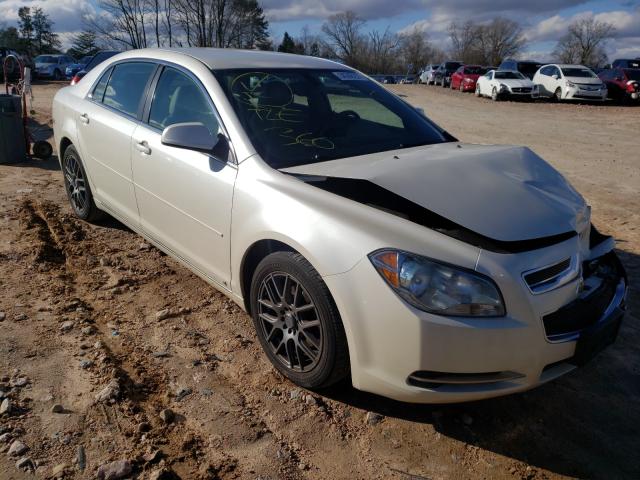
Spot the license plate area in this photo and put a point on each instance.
(595, 339)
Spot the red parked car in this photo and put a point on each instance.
(623, 84)
(465, 78)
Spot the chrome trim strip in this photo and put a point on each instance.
(555, 281)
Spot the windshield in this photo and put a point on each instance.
(578, 72)
(46, 59)
(509, 76)
(475, 70)
(632, 74)
(299, 116)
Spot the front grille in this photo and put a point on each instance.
(586, 310)
(547, 274)
(521, 90)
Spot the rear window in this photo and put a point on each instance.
(99, 58)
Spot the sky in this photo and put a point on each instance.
(543, 21)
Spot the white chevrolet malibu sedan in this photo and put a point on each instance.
(365, 241)
(501, 84)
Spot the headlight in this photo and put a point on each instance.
(503, 87)
(570, 84)
(438, 288)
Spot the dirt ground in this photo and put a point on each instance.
(186, 392)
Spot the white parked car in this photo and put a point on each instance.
(569, 82)
(500, 84)
(363, 240)
(428, 74)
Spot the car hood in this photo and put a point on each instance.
(513, 82)
(504, 193)
(585, 81)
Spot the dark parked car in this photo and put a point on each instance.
(97, 59)
(76, 67)
(526, 67)
(623, 84)
(626, 63)
(442, 76)
(389, 79)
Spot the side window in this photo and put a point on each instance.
(98, 90)
(544, 71)
(556, 71)
(126, 86)
(178, 99)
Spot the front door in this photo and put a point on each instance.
(184, 196)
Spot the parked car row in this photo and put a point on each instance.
(529, 79)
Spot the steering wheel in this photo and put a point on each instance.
(350, 114)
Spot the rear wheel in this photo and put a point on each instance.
(297, 322)
(494, 94)
(461, 87)
(478, 92)
(57, 75)
(77, 186)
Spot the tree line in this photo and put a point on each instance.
(131, 24)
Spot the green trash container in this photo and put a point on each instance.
(12, 142)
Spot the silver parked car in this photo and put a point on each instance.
(52, 66)
(363, 239)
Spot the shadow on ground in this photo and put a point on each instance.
(586, 424)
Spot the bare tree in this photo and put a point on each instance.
(416, 49)
(501, 38)
(122, 22)
(344, 37)
(465, 45)
(382, 50)
(585, 42)
(488, 43)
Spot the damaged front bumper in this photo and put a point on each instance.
(410, 355)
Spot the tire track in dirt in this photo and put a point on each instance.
(142, 386)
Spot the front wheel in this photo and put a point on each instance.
(558, 94)
(77, 186)
(461, 87)
(478, 92)
(297, 322)
(494, 94)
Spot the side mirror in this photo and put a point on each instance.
(191, 136)
(420, 110)
(555, 76)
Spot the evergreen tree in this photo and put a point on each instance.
(287, 45)
(45, 41)
(83, 44)
(25, 25)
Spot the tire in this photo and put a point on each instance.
(315, 356)
(42, 149)
(78, 188)
(461, 87)
(557, 95)
(494, 94)
(57, 75)
(477, 92)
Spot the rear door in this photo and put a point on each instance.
(106, 122)
(185, 196)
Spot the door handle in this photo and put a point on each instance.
(84, 118)
(143, 147)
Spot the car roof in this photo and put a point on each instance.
(229, 58)
(567, 65)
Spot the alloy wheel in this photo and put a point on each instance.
(76, 183)
(290, 322)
